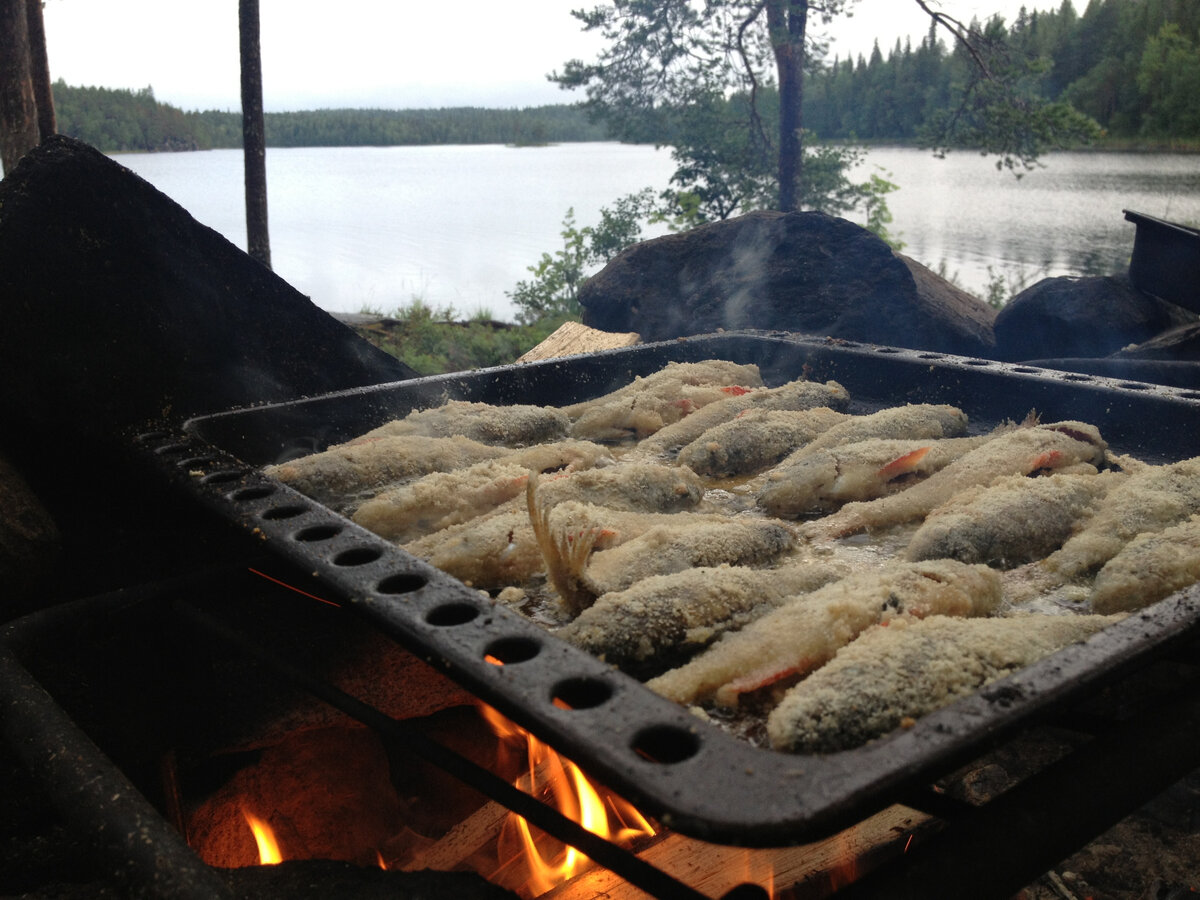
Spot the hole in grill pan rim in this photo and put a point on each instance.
(197, 462)
(285, 511)
(224, 476)
(452, 614)
(511, 650)
(252, 492)
(580, 693)
(358, 555)
(317, 533)
(839, 782)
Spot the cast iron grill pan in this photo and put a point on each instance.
(690, 775)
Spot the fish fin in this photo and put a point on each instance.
(728, 694)
(565, 558)
(1049, 460)
(903, 465)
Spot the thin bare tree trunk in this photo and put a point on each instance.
(788, 21)
(258, 243)
(18, 109)
(39, 69)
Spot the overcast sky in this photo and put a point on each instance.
(377, 53)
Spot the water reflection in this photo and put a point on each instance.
(979, 225)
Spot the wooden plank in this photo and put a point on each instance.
(462, 841)
(574, 337)
(714, 870)
(471, 834)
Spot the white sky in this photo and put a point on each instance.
(378, 53)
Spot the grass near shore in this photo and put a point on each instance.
(435, 341)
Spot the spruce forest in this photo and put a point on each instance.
(1131, 65)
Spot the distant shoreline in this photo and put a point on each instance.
(1121, 145)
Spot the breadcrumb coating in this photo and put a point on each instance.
(1151, 499)
(339, 476)
(794, 395)
(1056, 446)
(914, 420)
(682, 544)
(756, 440)
(1014, 521)
(500, 549)
(823, 480)
(646, 413)
(670, 379)
(512, 426)
(805, 632)
(441, 499)
(1148, 568)
(664, 616)
(909, 667)
(629, 484)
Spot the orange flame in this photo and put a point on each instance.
(846, 872)
(759, 868)
(268, 847)
(549, 775)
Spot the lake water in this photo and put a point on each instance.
(368, 227)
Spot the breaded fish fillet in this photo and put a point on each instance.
(682, 544)
(502, 549)
(755, 440)
(910, 667)
(795, 395)
(823, 480)
(646, 413)
(1148, 568)
(441, 499)
(1011, 522)
(490, 552)
(915, 420)
(664, 617)
(628, 484)
(670, 378)
(1056, 446)
(336, 475)
(1150, 499)
(510, 426)
(806, 632)
(340, 475)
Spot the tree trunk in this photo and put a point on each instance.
(258, 243)
(788, 21)
(18, 109)
(39, 69)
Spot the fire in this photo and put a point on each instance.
(555, 778)
(759, 868)
(268, 847)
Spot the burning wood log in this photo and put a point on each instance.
(831, 863)
(463, 841)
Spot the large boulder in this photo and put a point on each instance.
(806, 272)
(1180, 344)
(1081, 316)
(119, 307)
